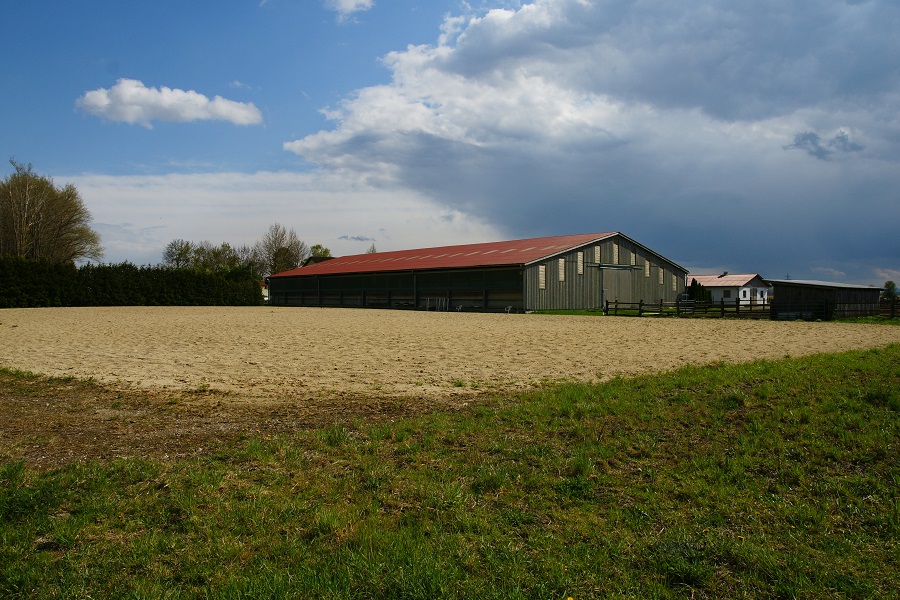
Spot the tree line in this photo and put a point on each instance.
(279, 249)
(45, 231)
(28, 283)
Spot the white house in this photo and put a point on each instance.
(749, 288)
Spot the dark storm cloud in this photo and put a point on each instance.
(843, 143)
(810, 142)
(676, 123)
(745, 60)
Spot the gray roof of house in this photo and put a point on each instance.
(814, 283)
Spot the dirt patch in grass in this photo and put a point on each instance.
(49, 422)
(165, 381)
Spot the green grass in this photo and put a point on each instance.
(597, 312)
(729, 312)
(771, 479)
(874, 320)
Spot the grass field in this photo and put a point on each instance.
(768, 479)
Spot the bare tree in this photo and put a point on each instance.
(40, 221)
(372, 249)
(249, 258)
(280, 250)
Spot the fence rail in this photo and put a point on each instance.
(890, 307)
(781, 311)
(688, 308)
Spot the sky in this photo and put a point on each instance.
(749, 137)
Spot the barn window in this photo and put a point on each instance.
(674, 283)
(542, 277)
(597, 255)
(661, 273)
(633, 259)
(581, 263)
(646, 268)
(616, 253)
(562, 269)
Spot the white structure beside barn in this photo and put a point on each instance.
(569, 272)
(745, 288)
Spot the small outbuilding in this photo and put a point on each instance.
(570, 272)
(822, 300)
(748, 289)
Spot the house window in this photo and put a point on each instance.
(581, 263)
(646, 268)
(726, 293)
(743, 293)
(542, 277)
(562, 269)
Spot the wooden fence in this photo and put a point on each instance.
(890, 308)
(743, 310)
(688, 308)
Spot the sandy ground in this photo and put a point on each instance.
(268, 354)
(183, 382)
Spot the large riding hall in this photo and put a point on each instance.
(569, 272)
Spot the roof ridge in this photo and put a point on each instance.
(478, 254)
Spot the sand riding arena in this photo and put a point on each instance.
(262, 366)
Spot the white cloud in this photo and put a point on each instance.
(831, 273)
(889, 274)
(130, 101)
(346, 8)
(674, 122)
(137, 216)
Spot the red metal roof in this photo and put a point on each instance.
(491, 254)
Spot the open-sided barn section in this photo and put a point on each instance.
(572, 272)
(823, 300)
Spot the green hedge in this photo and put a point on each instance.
(31, 284)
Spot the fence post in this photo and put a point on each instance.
(737, 307)
(893, 307)
(641, 308)
(606, 308)
(678, 307)
(722, 307)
